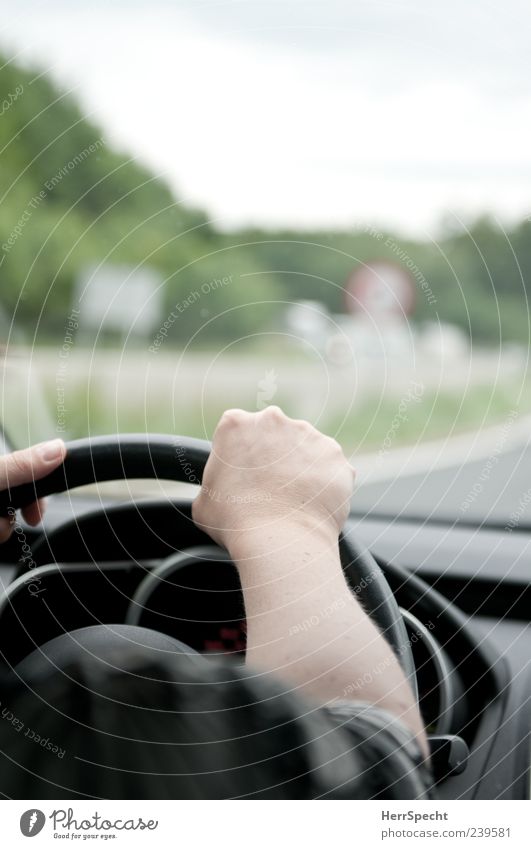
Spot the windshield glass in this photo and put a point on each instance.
(254, 215)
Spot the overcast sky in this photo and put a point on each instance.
(327, 113)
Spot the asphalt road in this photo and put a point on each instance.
(495, 489)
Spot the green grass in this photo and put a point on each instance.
(372, 424)
(435, 415)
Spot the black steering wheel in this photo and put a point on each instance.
(180, 458)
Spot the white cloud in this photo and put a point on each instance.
(258, 130)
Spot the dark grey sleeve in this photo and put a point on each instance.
(380, 757)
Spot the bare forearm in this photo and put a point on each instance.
(306, 626)
(303, 621)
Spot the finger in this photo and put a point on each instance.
(6, 529)
(31, 463)
(273, 412)
(33, 513)
(233, 416)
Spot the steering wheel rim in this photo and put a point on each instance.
(183, 459)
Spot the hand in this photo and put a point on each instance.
(266, 469)
(26, 466)
(276, 493)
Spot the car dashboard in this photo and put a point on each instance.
(464, 594)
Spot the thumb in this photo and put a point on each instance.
(31, 463)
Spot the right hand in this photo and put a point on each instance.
(266, 469)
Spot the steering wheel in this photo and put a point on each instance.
(183, 459)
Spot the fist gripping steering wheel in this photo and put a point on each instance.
(181, 458)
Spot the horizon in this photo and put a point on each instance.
(275, 166)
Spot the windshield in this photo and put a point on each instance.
(255, 215)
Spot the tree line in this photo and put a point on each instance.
(69, 199)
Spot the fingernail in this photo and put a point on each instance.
(51, 451)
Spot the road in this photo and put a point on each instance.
(485, 475)
(495, 488)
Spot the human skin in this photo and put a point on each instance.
(276, 494)
(23, 467)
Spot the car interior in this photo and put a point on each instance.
(452, 601)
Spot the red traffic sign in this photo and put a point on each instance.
(380, 288)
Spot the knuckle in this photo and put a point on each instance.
(232, 416)
(334, 445)
(274, 412)
(197, 508)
